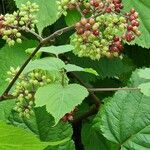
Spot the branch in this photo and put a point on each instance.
(111, 89)
(7, 97)
(44, 41)
(28, 31)
(32, 32)
(57, 33)
(20, 71)
(94, 97)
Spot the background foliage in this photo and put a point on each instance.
(123, 120)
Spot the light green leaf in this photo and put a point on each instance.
(12, 56)
(72, 68)
(15, 138)
(92, 71)
(125, 120)
(48, 63)
(56, 50)
(145, 88)
(144, 17)
(144, 73)
(62, 99)
(47, 14)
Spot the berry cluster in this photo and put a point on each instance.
(104, 30)
(25, 88)
(87, 28)
(132, 26)
(12, 24)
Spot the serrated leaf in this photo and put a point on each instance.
(12, 56)
(144, 73)
(93, 140)
(67, 146)
(125, 120)
(41, 124)
(56, 50)
(62, 99)
(47, 14)
(144, 17)
(106, 68)
(48, 63)
(15, 138)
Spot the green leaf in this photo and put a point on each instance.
(67, 146)
(48, 63)
(92, 71)
(93, 139)
(15, 138)
(72, 17)
(125, 120)
(6, 108)
(72, 68)
(41, 124)
(12, 56)
(145, 88)
(144, 73)
(56, 50)
(105, 68)
(62, 99)
(47, 14)
(144, 17)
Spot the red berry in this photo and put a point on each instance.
(80, 31)
(116, 39)
(83, 21)
(87, 26)
(91, 21)
(108, 10)
(130, 27)
(96, 32)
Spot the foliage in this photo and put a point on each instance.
(75, 75)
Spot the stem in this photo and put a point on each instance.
(94, 97)
(21, 69)
(28, 31)
(85, 115)
(44, 41)
(57, 33)
(79, 10)
(111, 89)
(63, 77)
(3, 6)
(32, 32)
(7, 97)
